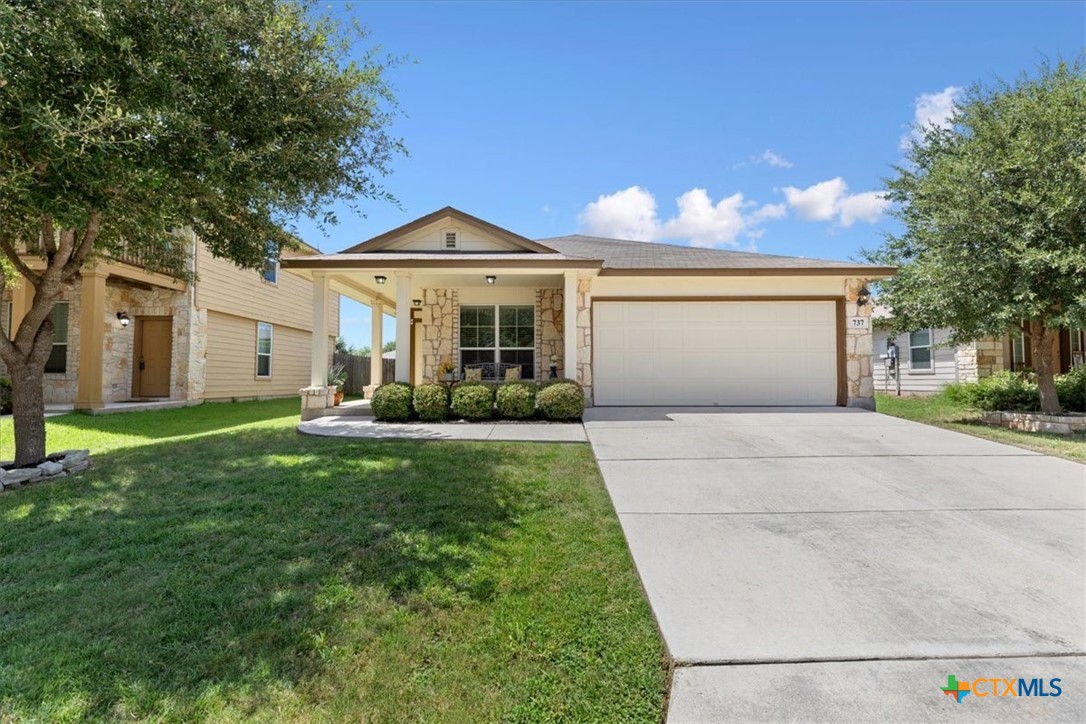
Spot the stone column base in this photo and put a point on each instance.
(367, 391)
(864, 403)
(315, 400)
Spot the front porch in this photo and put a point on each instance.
(507, 318)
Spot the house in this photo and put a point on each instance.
(125, 333)
(635, 323)
(927, 361)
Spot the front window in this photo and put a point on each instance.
(263, 349)
(920, 343)
(498, 334)
(1077, 346)
(271, 263)
(58, 358)
(5, 320)
(1018, 351)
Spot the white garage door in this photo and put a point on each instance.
(715, 353)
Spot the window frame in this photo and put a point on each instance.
(930, 347)
(1076, 334)
(497, 349)
(64, 344)
(271, 263)
(6, 311)
(271, 346)
(1018, 344)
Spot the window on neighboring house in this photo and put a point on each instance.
(920, 343)
(271, 263)
(498, 333)
(58, 358)
(5, 320)
(1077, 345)
(1018, 351)
(263, 349)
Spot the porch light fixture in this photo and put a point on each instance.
(863, 296)
(123, 318)
(380, 278)
(416, 302)
(490, 279)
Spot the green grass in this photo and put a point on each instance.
(214, 564)
(940, 411)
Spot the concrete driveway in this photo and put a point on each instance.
(824, 564)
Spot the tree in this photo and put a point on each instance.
(342, 347)
(389, 346)
(122, 121)
(994, 215)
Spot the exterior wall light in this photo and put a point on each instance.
(491, 279)
(416, 302)
(123, 318)
(863, 296)
(380, 278)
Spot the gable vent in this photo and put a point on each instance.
(450, 239)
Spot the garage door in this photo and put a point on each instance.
(715, 353)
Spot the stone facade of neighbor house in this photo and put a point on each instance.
(978, 359)
(214, 325)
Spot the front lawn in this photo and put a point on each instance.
(214, 564)
(943, 412)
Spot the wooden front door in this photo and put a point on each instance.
(153, 348)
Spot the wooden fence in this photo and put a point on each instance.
(358, 371)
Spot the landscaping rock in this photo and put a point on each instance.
(78, 467)
(58, 465)
(21, 475)
(71, 458)
(50, 468)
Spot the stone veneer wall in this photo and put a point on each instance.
(440, 334)
(979, 359)
(548, 333)
(858, 348)
(188, 356)
(584, 337)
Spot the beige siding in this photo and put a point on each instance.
(224, 287)
(231, 359)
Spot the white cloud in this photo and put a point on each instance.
(632, 214)
(773, 159)
(830, 201)
(932, 109)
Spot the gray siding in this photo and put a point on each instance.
(915, 382)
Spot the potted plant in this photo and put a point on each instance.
(337, 377)
(446, 369)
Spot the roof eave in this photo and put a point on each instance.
(459, 263)
(867, 272)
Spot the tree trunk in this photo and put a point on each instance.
(1042, 343)
(28, 412)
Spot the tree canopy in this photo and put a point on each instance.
(993, 208)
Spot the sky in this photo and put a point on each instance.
(756, 126)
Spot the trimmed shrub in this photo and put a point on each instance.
(431, 402)
(392, 402)
(562, 400)
(1004, 391)
(516, 400)
(1071, 388)
(473, 401)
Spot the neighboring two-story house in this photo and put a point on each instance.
(124, 333)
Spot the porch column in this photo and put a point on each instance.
(88, 391)
(377, 310)
(318, 362)
(569, 326)
(403, 327)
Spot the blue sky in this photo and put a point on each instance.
(764, 126)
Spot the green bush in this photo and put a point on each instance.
(431, 402)
(516, 400)
(562, 400)
(392, 402)
(1071, 388)
(1006, 391)
(473, 401)
(5, 395)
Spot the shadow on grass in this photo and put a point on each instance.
(173, 573)
(176, 422)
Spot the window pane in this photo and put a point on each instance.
(471, 356)
(526, 316)
(263, 365)
(507, 316)
(507, 337)
(58, 359)
(263, 346)
(921, 358)
(5, 319)
(525, 358)
(486, 316)
(468, 316)
(920, 339)
(525, 337)
(60, 323)
(486, 337)
(469, 337)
